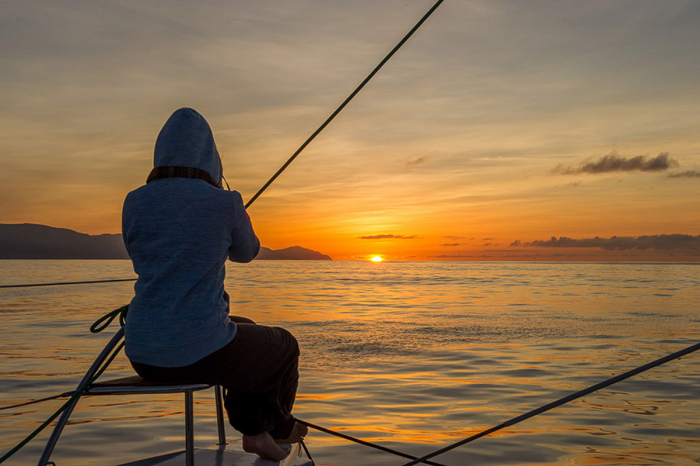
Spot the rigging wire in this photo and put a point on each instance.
(363, 442)
(560, 402)
(69, 283)
(345, 102)
(306, 450)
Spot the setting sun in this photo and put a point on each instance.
(377, 259)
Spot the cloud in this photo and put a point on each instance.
(613, 162)
(387, 237)
(416, 162)
(516, 243)
(452, 244)
(621, 243)
(453, 237)
(686, 174)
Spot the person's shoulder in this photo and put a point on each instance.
(223, 200)
(234, 197)
(135, 193)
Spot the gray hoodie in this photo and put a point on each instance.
(179, 231)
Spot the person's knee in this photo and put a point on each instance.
(240, 320)
(296, 346)
(291, 342)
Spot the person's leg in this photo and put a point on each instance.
(260, 372)
(189, 373)
(240, 320)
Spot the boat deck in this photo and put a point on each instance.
(230, 455)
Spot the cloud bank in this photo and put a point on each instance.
(387, 237)
(620, 243)
(613, 162)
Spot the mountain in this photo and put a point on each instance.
(293, 253)
(32, 241)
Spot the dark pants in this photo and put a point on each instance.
(258, 369)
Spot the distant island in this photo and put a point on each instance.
(32, 241)
(294, 253)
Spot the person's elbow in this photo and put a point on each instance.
(244, 255)
(244, 259)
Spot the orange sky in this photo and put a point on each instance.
(451, 152)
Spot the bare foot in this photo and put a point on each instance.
(264, 446)
(298, 433)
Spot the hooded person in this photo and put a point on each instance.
(179, 229)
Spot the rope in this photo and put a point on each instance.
(561, 401)
(69, 283)
(363, 442)
(109, 317)
(306, 450)
(95, 328)
(345, 102)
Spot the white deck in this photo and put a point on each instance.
(231, 455)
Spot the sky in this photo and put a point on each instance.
(502, 130)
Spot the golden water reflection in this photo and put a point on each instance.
(413, 356)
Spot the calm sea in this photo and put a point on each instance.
(413, 355)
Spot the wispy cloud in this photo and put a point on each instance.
(620, 243)
(387, 237)
(613, 162)
(685, 174)
(452, 244)
(417, 161)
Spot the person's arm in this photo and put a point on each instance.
(125, 226)
(244, 243)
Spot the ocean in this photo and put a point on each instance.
(412, 355)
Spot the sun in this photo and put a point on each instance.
(377, 259)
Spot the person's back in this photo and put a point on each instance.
(179, 230)
(179, 233)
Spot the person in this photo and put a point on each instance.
(179, 229)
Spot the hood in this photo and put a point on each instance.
(186, 140)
